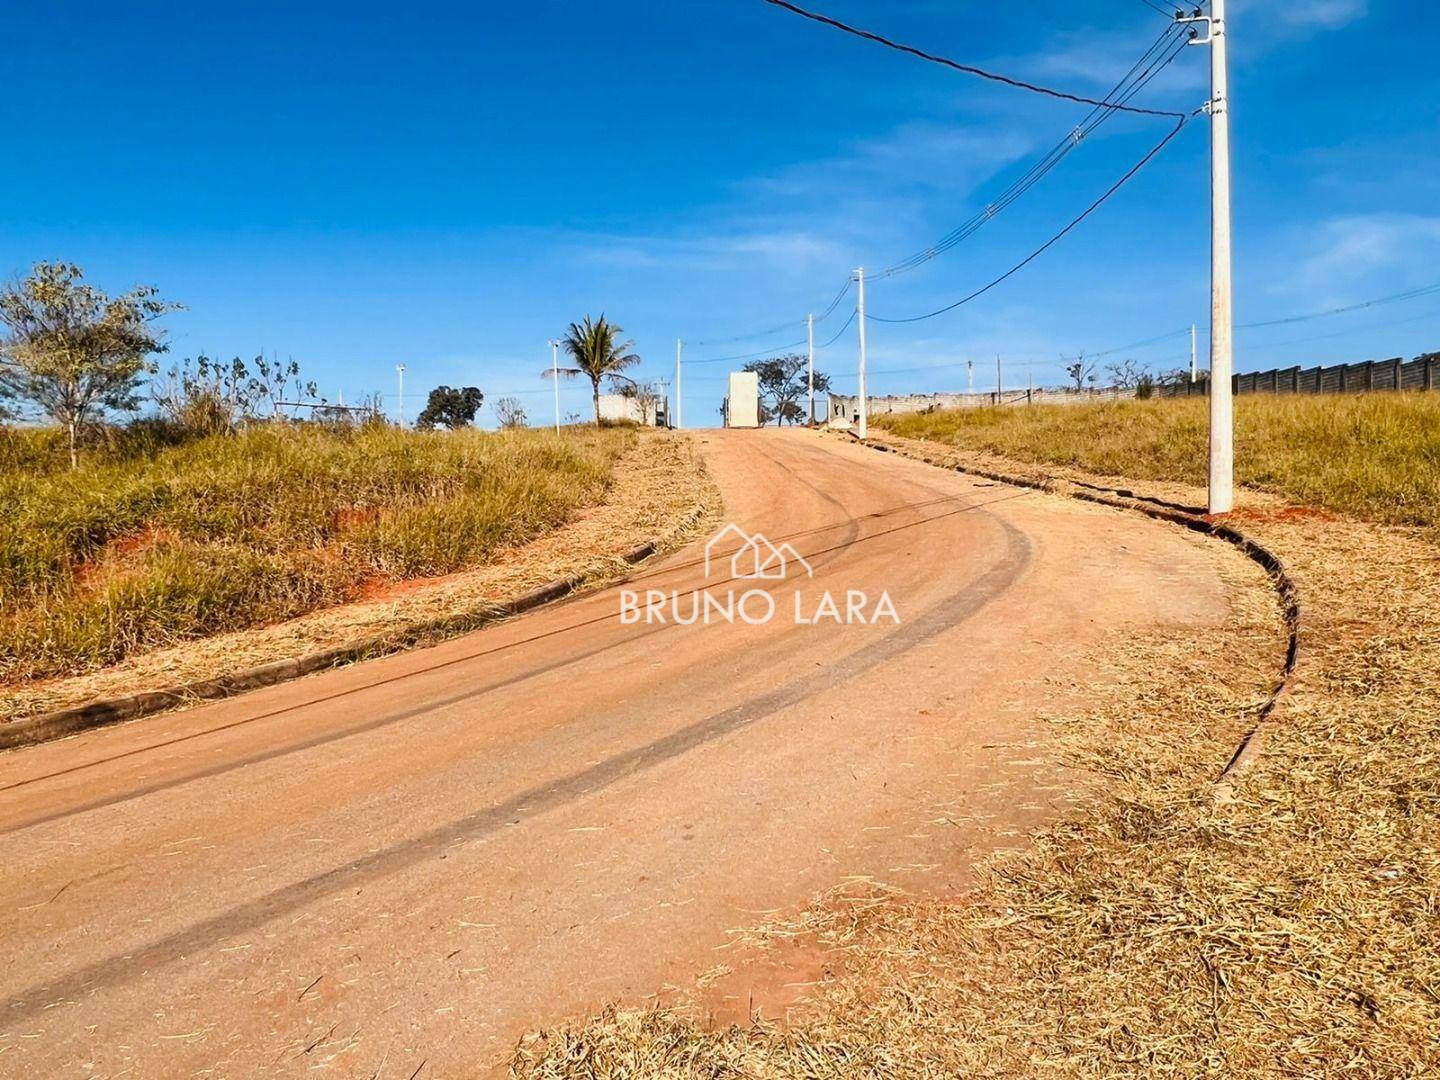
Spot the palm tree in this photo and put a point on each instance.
(598, 353)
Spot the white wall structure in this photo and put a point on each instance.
(622, 408)
(844, 408)
(742, 408)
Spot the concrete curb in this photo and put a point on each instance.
(77, 718)
(1286, 591)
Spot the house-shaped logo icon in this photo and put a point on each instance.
(756, 557)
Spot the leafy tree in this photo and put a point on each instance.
(510, 412)
(784, 384)
(599, 354)
(453, 407)
(72, 351)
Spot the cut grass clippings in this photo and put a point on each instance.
(1287, 924)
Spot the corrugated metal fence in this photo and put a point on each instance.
(1422, 373)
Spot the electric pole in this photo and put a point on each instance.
(555, 379)
(1194, 370)
(970, 376)
(860, 310)
(400, 375)
(810, 362)
(679, 408)
(999, 380)
(1222, 317)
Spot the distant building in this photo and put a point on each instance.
(742, 404)
(623, 408)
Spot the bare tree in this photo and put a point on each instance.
(646, 396)
(509, 412)
(1080, 371)
(1127, 375)
(71, 350)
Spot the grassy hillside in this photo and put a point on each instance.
(147, 543)
(1373, 455)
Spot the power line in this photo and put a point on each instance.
(1346, 333)
(1053, 240)
(841, 332)
(829, 309)
(749, 337)
(967, 69)
(1157, 8)
(1393, 298)
(1410, 294)
(1154, 60)
(749, 356)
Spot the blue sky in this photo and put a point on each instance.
(446, 186)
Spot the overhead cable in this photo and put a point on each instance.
(1155, 59)
(968, 69)
(1129, 175)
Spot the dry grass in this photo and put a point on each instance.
(143, 549)
(1288, 926)
(659, 491)
(1375, 456)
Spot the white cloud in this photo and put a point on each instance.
(1349, 251)
(1096, 60)
(1268, 22)
(794, 251)
(1326, 14)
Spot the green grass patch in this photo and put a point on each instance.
(1375, 456)
(149, 543)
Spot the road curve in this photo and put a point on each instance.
(411, 861)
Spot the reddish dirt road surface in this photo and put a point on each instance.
(409, 862)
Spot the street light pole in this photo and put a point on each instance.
(810, 363)
(555, 379)
(860, 312)
(400, 375)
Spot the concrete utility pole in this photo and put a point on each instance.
(864, 431)
(679, 409)
(555, 379)
(999, 380)
(1222, 316)
(970, 376)
(1194, 368)
(400, 374)
(810, 363)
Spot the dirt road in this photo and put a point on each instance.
(409, 862)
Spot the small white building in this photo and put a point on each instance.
(626, 408)
(742, 404)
